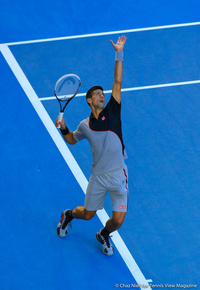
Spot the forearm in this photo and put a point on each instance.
(69, 137)
(118, 72)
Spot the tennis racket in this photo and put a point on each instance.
(65, 90)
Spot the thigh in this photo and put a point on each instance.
(119, 193)
(95, 194)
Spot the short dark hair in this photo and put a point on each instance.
(90, 91)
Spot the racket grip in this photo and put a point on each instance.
(60, 116)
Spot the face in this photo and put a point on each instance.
(98, 99)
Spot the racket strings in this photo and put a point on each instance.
(67, 87)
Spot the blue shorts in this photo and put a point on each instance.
(116, 182)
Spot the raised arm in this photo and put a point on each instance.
(116, 89)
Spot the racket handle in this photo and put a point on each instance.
(60, 116)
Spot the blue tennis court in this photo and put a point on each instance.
(158, 244)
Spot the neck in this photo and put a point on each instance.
(96, 112)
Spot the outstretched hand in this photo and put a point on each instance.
(120, 43)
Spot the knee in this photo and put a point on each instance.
(89, 215)
(118, 220)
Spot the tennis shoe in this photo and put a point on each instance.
(63, 225)
(106, 246)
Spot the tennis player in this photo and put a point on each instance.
(109, 172)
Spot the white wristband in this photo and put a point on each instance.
(119, 55)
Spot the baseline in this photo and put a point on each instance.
(105, 33)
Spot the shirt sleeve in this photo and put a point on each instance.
(116, 107)
(78, 134)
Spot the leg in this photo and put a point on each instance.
(81, 213)
(119, 196)
(67, 215)
(115, 222)
(112, 225)
(92, 201)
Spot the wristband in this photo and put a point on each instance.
(64, 131)
(119, 55)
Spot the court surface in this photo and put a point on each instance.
(158, 244)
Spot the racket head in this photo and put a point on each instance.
(67, 87)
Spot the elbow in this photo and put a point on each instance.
(118, 81)
(72, 141)
(117, 85)
(69, 138)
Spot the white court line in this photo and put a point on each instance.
(136, 88)
(105, 33)
(68, 157)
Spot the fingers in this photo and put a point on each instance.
(120, 43)
(112, 43)
(122, 39)
(57, 123)
(61, 123)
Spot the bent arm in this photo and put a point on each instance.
(69, 137)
